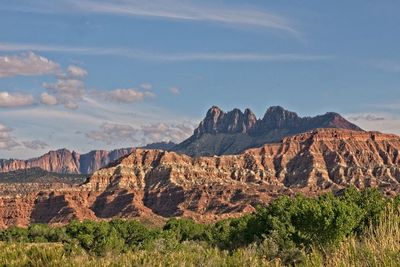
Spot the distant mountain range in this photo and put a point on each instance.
(293, 155)
(153, 185)
(65, 161)
(219, 133)
(232, 132)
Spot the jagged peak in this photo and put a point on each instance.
(214, 110)
(279, 112)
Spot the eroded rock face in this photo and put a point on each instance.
(65, 161)
(217, 121)
(156, 184)
(223, 133)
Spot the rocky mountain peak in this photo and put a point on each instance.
(232, 132)
(214, 112)
(218, 121)
(334, 120)
(277, 117)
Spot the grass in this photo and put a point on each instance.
(376, 246)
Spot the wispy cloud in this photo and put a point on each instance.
(35, 144)
(188, 10)
(387, 65)
(112, 133)
(388, 122)
(7, 141)
(171, 57)
(196, 11)
(366, 117)
(124, 95)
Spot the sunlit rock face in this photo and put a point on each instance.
(155, 184)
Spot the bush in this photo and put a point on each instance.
(185, 229)
(286, 229)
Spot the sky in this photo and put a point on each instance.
(84, 75)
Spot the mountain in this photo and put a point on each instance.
(65, 161)
(155, 184)
(232, 132)
(219, 133)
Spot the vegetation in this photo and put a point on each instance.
(357, 228)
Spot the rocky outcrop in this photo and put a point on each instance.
(65, 161)
(217, 121)
(156, 184)
(160, 145)
(223, 133)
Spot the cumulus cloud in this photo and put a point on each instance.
(48, 99)
(127, 95)
(157, 132)
(112, 133)
(77, 72)
(15, 99)
(174, 90)
(67, 90)
(26, 64)
(7, 141)
(35, 144)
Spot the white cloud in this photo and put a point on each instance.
(173, 57)
(113, 133)
(26, 64)
(110, 133)
(146, 86)
(174, 90)
(15, 99)
(48, 99)
(76, 72)
(7, 141)
(380, 121)
(67, 90)
(35, 144)
(157, 132)
(127, 95)
(197, 11)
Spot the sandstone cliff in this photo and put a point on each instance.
(65, 161)
(154, 184)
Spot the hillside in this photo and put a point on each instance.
(151, 184)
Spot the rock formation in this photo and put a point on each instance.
(155, 184)
(65, 161)
(223, 133)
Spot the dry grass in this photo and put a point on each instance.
(378, 246)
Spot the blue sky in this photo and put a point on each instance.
(87, 74)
